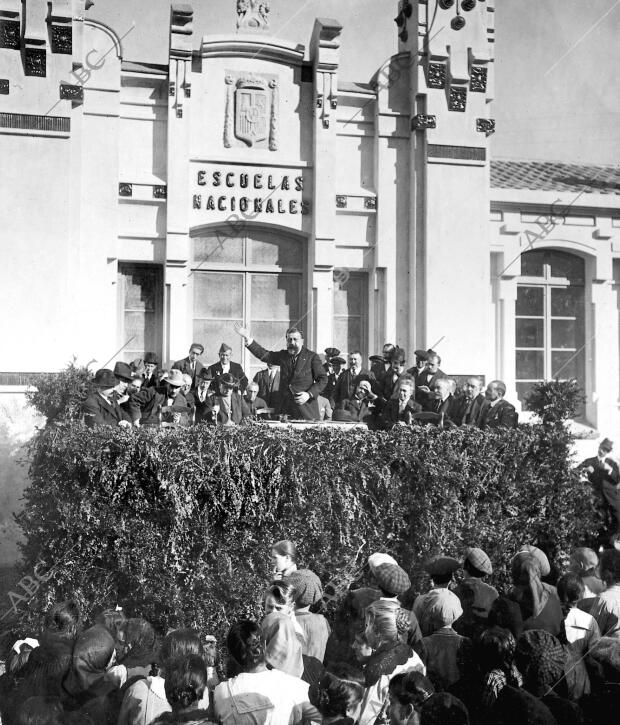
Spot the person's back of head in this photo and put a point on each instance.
(334, 697)
(609, 566)
(570, 588)
(245, 644)
(39, 711)
(495, 649)
(64, 618)
(185, 683)
(139, 635)
(113, 620)
(181, 642)
(443, 709)
(411, 689)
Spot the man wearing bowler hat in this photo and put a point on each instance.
(302, 375)
(101, 407)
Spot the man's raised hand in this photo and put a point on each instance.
(244, 332)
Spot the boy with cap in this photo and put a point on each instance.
(101, 407)
(309, 591)
(441, 570)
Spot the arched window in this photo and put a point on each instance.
(550, 337)
(255, 276)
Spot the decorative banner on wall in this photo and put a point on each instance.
(277, 195)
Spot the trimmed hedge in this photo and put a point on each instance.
(177, 525)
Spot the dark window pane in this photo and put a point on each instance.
(280, 251)
(530, 301)
(567, 364)
(530, 333)
(219, 248)
(218, 295)
(532, 264)
(566, 333)
(568, 266)
(530, 364)
(566, 301)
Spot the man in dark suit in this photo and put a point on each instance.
(390, 383)
(400, 411)
(198, 399)
(427, 378)
(421, 356)
(360, 407)
(444, 402)
(101, 407)
(604, 474)
(347, 383)
(497, 412)
(269, 385)
(164, 405)
(225, 365)
(468, 406)
(302, 374)
(254, 402)
(191, 365)
(151, 373)
(381, 364)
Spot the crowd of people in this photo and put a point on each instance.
(448, 650)
(295, 385)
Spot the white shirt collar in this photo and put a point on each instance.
(495, 402)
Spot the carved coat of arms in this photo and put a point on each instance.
(251, 109)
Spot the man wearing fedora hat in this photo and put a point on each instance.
(101, 407)
(226, 365)
(395, 375)
(165, 404)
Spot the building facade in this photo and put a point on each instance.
(155, 205)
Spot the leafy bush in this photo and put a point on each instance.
(177, 525)
(555, 401)
(59, 396)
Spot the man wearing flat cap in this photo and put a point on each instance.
(441, 570)
(302, 375)
(420, 364)
(101, 407)
(226, 365)
(477, 567)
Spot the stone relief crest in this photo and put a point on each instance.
(251, 110)
(252, 14)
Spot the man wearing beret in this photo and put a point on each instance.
(101, 407)
(302, 374)
(226, 365)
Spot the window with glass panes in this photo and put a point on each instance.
(140, 308)
(550, 335)
(350, 312)
(256, 277)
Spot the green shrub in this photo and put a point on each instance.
(555, 401)
(59, 396)
(177, 525)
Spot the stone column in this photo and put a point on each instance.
(324, 53)
(178, 243)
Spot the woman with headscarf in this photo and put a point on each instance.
(282, 644)
(446, 651)
(391, 656)
(259, 695)
(90, 690)
(539, 603)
